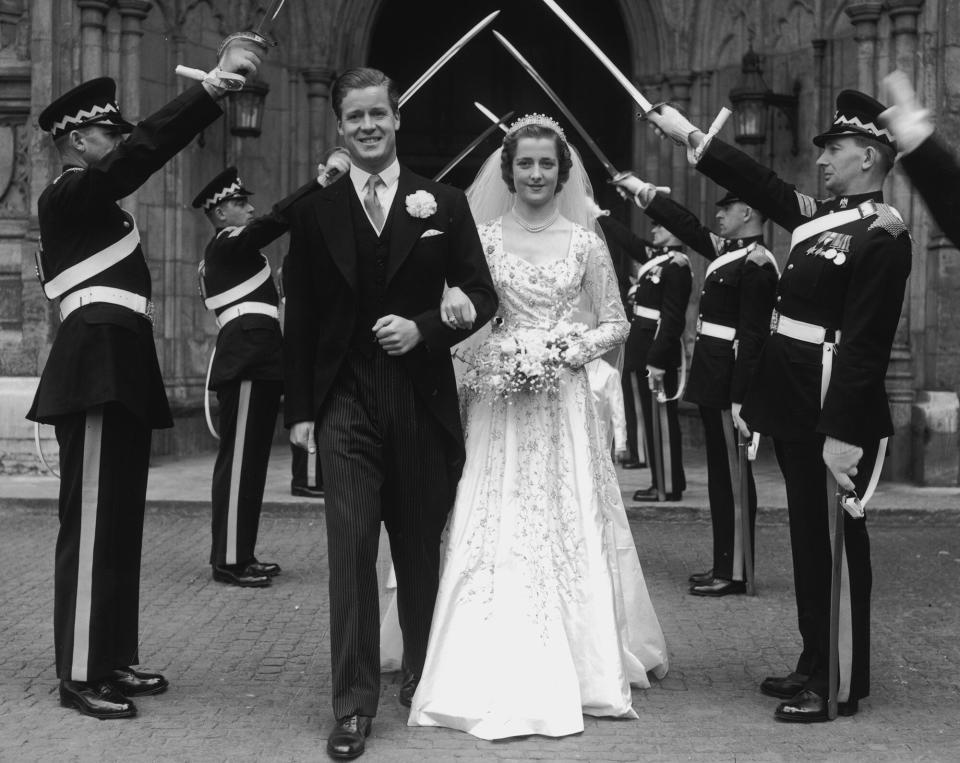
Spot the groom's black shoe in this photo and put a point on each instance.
(699, 578)
(650, 494)
(408, 687)
(810, 707)
(718, 587)
(349, 739)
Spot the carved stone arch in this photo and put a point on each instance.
(643, 21)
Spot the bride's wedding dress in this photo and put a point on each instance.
(542, 613)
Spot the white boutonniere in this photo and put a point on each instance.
(421, 204)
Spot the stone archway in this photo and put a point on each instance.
(404, 38)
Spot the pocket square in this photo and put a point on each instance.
(431, 232)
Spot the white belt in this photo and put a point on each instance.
(802, 331)
(716, 330)
(646, 312)
(140, 305)
(247, 308)
(94, 264)
(814, 334)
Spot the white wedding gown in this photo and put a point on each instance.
(542, 613)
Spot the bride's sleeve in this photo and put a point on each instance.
(610, 325)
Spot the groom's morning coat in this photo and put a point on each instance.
(322, 290)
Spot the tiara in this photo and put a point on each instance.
(541, 120)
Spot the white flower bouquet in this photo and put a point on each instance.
(525, 361)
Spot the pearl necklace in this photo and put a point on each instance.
(535, 227)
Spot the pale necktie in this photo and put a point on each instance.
(371, 202)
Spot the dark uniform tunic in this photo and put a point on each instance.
(625, 248)
(102, 389)
(936, 174)
(849, 279)
(664, 287)
(247, 375)
(738, 294)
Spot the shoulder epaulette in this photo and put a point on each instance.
(65, 173)
(231, 231)
(889, 219)
(808, 205)
(679, 258)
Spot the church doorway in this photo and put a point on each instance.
(440, 120)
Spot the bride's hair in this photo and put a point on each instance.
(509, 151)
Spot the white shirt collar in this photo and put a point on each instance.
(360, 177)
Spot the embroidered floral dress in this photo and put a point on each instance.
(542, 613)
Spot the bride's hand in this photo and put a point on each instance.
(456, 309)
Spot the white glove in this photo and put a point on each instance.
(669, 121)
(738, 422)
(841, 459)
(632, 188)
(910, 124)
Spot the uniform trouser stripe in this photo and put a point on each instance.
(845, 624)
(730, 438)
(236, 471)
(89, 498)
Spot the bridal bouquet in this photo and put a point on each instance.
(527, 360)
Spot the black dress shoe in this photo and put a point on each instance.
(650, 494)
(783, 687)
(240, 575)
(408, 687)
(305, 491)
(719, 587)
(349, 739)
(269, 569)
(133, 683)
(98, 699)
(810, 707)
(698, 578)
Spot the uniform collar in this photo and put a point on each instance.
(732, 244)
(360, 177)
(840, 203)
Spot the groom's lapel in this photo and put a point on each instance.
(336, 224)
(405, 228)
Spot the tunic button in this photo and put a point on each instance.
(779, 298)
(126, 223)
(790, 266)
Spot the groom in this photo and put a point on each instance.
(370, 383)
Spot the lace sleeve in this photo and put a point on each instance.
(609, 325)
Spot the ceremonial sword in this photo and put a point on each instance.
(473, 144)
(229, 80)
(615, 175)
(439, 63)
(643, 103)
(491, 116)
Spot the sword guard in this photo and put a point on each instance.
(851, 503)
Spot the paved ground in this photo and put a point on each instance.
(249, 668)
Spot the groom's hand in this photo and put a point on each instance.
(397, 336)
(301, 435)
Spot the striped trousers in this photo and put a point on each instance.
(722, 481)
(384, 459)
(676, 481)
(809, 508)
(248, 417)
(104, 458)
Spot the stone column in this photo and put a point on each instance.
(901, 374)
(93, 22)
(318, 79)
(864, 17)
(132, 14)
(680, 84)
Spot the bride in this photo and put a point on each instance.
(542, 613)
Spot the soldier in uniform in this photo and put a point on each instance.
(101, 387)
(626, 248)
(735, 306)
(246, 370)
(819, 387)
(928, 162)
(654, 351)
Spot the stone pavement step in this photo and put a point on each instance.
(185, 484)
(249, 669)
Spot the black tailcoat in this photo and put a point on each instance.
(321, 275)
